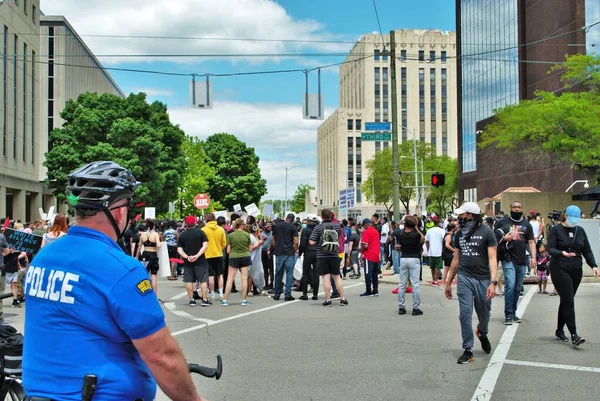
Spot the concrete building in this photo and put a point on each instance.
(21, 191)
(426, 86)
(506, 48)
(59, 66)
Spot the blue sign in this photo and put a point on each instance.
(382, 126)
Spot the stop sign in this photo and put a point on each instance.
(201, 201)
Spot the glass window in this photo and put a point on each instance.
(403, 73)
(350, 124)
(377, 146)
(432, 55)
(376, 55)
(33, 13)
(443, 57)
(421, 55)
(403, 55)
(358, 125)
(385, 74)
(25, 8)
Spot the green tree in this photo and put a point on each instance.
(297, 204)
(129, 131)
(565, 126)
(445, 198)
(237, 177)
(196, 178)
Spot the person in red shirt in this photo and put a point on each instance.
(369, 246)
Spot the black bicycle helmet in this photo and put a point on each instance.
(100, 184)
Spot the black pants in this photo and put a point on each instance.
(309, 273)
(566, 281)
(267, 262)
(371, 277)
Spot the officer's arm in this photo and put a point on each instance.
(165, 360)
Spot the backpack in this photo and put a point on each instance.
(330, 239)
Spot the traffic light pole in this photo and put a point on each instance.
(396, 174)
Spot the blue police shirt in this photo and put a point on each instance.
(86, 301)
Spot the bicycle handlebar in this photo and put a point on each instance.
(206, 371)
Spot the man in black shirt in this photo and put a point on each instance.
(191, 246)
(514, 234)
(285, 241)
(309, 263)
(475, 263)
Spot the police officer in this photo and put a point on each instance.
(91, 308)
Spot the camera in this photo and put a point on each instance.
(555, 214)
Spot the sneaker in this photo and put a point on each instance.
(315, 297)
(303, 298)
(366, 294)
(560, 335)
(16, 304)
(245, 302)
(289, 298)
(466, 357)
(335, 296)
(395, 290)
(355, 277)
(402, 310)
(485, 342)
(576, 340)
(205, 303)
(343, 302)
(192, 303)
(327, 303)
(375, 293)
(508, 321)
(409, 290)
(275, 297)
(224, 302)
(435, 284)
(545, 292)
(540, 292)
(417, 312)
(516, 319)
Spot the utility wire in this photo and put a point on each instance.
(379, 24)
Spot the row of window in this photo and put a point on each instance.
(383, 55)
(23, 84)
(26, 10)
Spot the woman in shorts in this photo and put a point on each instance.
(239, 245)
(150, 239)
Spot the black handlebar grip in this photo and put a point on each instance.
(202, 370)
(89, 387)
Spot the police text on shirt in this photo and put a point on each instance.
(54, 285)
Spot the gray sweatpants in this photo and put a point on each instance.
(471, 292)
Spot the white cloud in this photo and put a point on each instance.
(153, 92)
(278, 134)
(191, 18)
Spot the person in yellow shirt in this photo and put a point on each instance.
(217, 241)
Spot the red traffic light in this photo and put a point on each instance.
(437, 180)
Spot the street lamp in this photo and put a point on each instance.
(286, 191)
(417, 192)
(423, 206)
(586, 185)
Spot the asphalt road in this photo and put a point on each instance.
(301, 350)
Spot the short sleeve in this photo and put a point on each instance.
(490, 238)
(204, 237)
(3, 242)
(314, 236)
(180, 241)
(456, 242)
(294, 232)
(134, 305)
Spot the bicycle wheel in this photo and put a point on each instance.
(12, 390)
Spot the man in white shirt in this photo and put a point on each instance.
(385, 232)
(434, 239)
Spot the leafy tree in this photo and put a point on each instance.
(129, 131)
(297, 204)
(565, 126)
(445, 198)
(237, 178)
(196, 177)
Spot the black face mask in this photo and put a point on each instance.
(461, 221)
(517, 216)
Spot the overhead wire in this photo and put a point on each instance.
(379, 24)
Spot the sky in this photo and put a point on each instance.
(264, 111)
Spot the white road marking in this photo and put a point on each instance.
(171, 306)
(485, 389)
(178, 296)
(553, 366)
(252, 312)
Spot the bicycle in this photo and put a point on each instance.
(90, 380)
(11, 388)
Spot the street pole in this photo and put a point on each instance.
(396, 180)
(423, 200)
(417, 192)
(285, 208)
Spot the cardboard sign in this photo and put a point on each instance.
(252, 210)
(150, 213)
(22, 241)
(220, 213)
(237, 208)
(268, 210)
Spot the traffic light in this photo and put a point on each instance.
(437, 179)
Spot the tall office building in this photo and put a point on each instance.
(426, 89)
(44, 64)
(506, 48)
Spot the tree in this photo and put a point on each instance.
(137, 135)
(196, 177)
(297, 204)
(566, 126)
(237, 177)
(445, 198)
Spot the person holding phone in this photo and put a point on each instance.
(568, 245)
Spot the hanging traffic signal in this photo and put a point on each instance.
(437, 179)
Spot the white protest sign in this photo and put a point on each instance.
(252, 210)
(222, 213)
(237, 208)
(149, 213)
(268, 210)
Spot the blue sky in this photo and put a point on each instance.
(262, 110)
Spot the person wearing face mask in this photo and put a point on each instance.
(567, 244)
(514, 235)
(475, 263)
